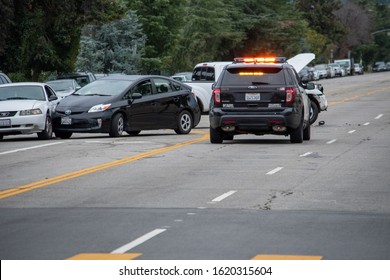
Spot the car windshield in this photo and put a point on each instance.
(105, 88)
(320, 67)
(62, 85)
(22, 92)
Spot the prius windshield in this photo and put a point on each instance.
(104, 88)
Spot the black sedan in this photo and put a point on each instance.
(130, 103)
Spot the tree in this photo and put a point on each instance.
(116, 46)
(161, 22)
(6, 22)
(46, 35)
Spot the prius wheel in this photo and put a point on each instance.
(184, 123)
(47, 133)
(117, 125)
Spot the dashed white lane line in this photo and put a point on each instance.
(331, 141)
(352, 131)
(367, 123)
(138, 241)
(306, 154)
(273, 171)
(222, 197)
(379, 116)
(30, 148)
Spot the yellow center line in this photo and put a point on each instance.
(358, 96)
(100, 167)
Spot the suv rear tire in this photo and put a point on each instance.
(216, 136)
(296, 135)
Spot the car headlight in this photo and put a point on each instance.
(31, 112)
(99, 108)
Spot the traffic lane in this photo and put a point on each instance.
(39, 161)
(224, 234)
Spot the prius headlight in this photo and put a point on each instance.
(99, 108)
(30, 112)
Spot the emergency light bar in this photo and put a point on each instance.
(260, 60)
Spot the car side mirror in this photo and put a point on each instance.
(310, 86)
(134, 96)
(213, 86)
(53, 97)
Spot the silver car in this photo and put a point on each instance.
(27, 108)
(64, 87)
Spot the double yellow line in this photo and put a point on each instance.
(358, 96)
(96, 168)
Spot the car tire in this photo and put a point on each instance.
(313, 112)
(133, 132)
(307, 132)
(47, 133)
(216, 136)
(117, 125)
(184, 123)
(63, 135)
(296, 135)
(1, 136)
(228, 137)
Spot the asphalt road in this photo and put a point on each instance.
(159, 195)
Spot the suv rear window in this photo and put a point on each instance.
(244, 76)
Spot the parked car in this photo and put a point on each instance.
(306, 74)
(322, 70)
(338, 70)
(27, 108)
(82, 78)
(4, 79)
(130, 103)
(388, 66)
(359, 69)
(182, 76)
(64, 87)
(379, 66)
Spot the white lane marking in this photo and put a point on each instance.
(273, 171)
(351, 131)
(306, 154)
(379, 116)
(331, 141)
(367, 123)
(138, 241)
(30, 148)
(222, 197)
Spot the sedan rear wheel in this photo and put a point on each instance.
(313, 112)
(47, 133)
(63, 135)
(117, 125)
(184, 123)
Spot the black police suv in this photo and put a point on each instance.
(259, 96)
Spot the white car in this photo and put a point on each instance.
(27, 108)
(64, 87)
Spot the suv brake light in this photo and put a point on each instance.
(217, 96)
(290, 95)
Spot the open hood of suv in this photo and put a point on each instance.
(301, 60)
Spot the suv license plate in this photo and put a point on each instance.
(66, 120)
(5, 123)
(252, 96)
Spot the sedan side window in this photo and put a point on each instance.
(162, 85)
(144, 87)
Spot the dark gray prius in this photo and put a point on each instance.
(130, 103)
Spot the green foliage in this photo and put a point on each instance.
(116, 46)
(46, 35)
